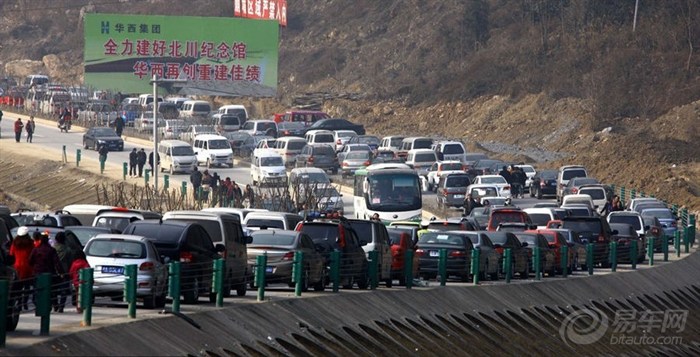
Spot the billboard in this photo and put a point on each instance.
(214, 55)
(261, 9)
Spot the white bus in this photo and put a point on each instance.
(391, 190)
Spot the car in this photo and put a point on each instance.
(479, 217)
(98, 136)
(226, 123)
(489, 258)
(506, 214)
(369, 140)
(421, 160)
(519, 255)
(260, 127)
(598, 193)
(188, 243)
(401, 242)
(280, 246)
(530, 240)
(482, 190)
(530, 172)
(48, 219)
(668, 220)
(320, 156)
(354, 160)
(540, 216)
(647, 205)
(625, 234)
(452, 189)
(305, 117)
(168, 110)
(391, 143)
(450, 150)
(459, 250)
(319, 137)
(385, 157)
(440, 168)
(328, 199)
(632, 218)
(144, 123)
(556, 241)
(574, 184)
(451, 224)
(237, 139)
(119, 217)
(632, 203)
(248, 146)
(172, 129)
(129, 112)
(289, 147)
(484, 167)
(566, 173)
(331, 235)
(578, 199)
(495, 180)
(404, 227)
(544, 183)
(471, 158)
(290, 128)
(352, 148)
(271, 219)
(192, 131)
(576, 246)
(109, 254)
(337, 124)
(213, 150)
(594, 230)
(342, 137)
(580, 209)
(267, 168)
(412, 143)
(377, 237)
(655, 231)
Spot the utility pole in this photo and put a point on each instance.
(634, 23)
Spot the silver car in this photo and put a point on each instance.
(353, 161)
(108, 254)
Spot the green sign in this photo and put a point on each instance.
(215, 55)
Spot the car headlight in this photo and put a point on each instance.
(100, 141)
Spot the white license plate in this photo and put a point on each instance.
(553, 183)
(459, 196)
(434, 253)
(112, 270)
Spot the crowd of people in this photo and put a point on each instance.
(224, 192)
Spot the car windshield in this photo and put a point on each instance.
(85, 234)
(182, 151)
(422, 143)
(312, 177)
(457, 181)
(529, 238)
(389, 192)
(324, 138)
(116, 248)
(104, 132)
(551, 237)
(287, 125)
(539, 219)
(571, 173)
(346, 134)
(219, 144)
(229, 120)
(527, 169)
(425, 157)
(369, 140)
(441, 238)
(451, 167)
(357, 155)
(493, 179)
(658, 213)
(263, 222)
(271, 161)
(271, 238)
(581, 226)
(118, 223)
(497, 237)
(324, 150)
(452, 149)
(628, 219)
(595, 193)
(548, 175)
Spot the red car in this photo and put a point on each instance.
(556, 240)
(401, 242)
(507, 214)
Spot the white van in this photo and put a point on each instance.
(234, 109)
(267, 167)
(320, 137)
(391, 143)
(280, 220)
(176, 156)
(85, 213)
(146, 99)
(451, 150)
(260, 127)
(226, 123)
(213, 150)
(195, 108)
(178, 101)
(421, 160)
(289, 147)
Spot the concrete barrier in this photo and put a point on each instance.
(498, 319)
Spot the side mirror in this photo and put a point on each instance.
(220, 248)
(363, 242)
(646, 228)
(248, 239)
(524, 244)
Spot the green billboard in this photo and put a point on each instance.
(207, 55)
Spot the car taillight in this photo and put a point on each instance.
(366, 163)
(289, 256)
(457, 254)
(601, 238)
(499, 250)
(420, 252)
(185, 257)
(311, 159)
(299, 227)
(574, 190)
(345, 163)
(506, 187)
(146, 266)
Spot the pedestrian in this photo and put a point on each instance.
(66, 255)
(18, 129)
(80, 262)
(44, 259)
(21, 249)
(469, 204)
(30, 129)
(375, 217)
(141, 160)
(250, 195)
(206, 185)
(133, 160)
(617, 204)
(119, 125)
(506, 174)
(519, 178)
(196, 181)
(237, 194)
(103, 153)
(215, 179)
(608, 207)
(150, 161)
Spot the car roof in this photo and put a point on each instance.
(276, 231)
(291, 138)
(624, 213)
(211, 215)
(130, 237)
(565, 167)
(209, 137)
(416, 151)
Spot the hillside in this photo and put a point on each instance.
(545, 74)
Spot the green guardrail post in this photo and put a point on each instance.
(86, 276)
(613, 256)
(677, 243)
(674, 209)
(166, 182)
(623, 194)
(218, 288)
(373, 269)
(537, 259)
(183, 188)
(130, 284)
(589, 258)
(77, 157)
(686, 239)
(612, 188)
(64, 155)
(261, 266)
(633, 253)
(146, 176)
(633, 194)
(43, 303)
(691, 226)
(297, 271)
(650, 251)
(125, 169)
(565, 261)
(174, 285)
(409, 268)
(507, 264)
(476, 253)
(664, 247)
(442, 267)
(335, 270)
(4, 301)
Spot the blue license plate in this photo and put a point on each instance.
(112, 270)
(268, 269)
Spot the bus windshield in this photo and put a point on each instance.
(393, 192)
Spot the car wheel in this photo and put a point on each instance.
(389, 282)
(482, 274)
(191, 295)
(149, 302)
(160, 300)
(321, 283)
(212, 297)
(525, 274)
(349, 283)
(85, 144)
(539, 194)
(305, 280)
(13, 311)
(228, 286)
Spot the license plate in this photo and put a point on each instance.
(459, 196)
(112, 270)
(553, 184)
(268, 269)
(434, 253)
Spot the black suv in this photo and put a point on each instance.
(592, 230)
(321, 156)
(331, 235)
(188, 243)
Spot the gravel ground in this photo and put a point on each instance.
(536, 154)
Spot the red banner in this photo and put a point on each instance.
(261, 9)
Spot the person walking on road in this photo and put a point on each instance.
(119, 125)
(18, 129)
(66, 255)
(150, 161)
(44, 259)
(196, 181)
(133, 160)
(80, 262)
(1, 118)
(141, 160)
(30, 129)
(21, 249)
(103, 153)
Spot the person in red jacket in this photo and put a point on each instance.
(21, 249)
(80, 262)
(44, 259)
(18, 129)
